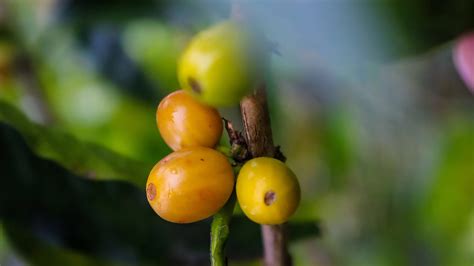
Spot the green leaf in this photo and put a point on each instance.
(85, 159)
(103, 220)
(445, 212)
(450, 201)
(156, 48)
(42, 253)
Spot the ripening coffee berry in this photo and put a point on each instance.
(267, 190)
(464, 59)
(185, 122)
(190, 185)
(221, 64)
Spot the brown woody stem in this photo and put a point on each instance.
(258, 134)
(259, 140)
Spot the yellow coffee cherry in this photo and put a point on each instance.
(267, 190)
(222, 64)
(190, 185)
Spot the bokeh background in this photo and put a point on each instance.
(365, 102)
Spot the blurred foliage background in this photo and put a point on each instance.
(364, 98)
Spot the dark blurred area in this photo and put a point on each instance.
(371, 101)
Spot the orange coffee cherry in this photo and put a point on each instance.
(185, 122)
(190, 185)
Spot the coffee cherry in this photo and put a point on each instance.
(185, 122)
(267, 190)
(464, 59)
(190, 185)
(221, 64)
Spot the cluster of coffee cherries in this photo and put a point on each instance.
(195, 181)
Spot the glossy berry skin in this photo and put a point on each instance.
(185, 122)
(221, 64)
(464, 59)
(190, 185)
(267, 190)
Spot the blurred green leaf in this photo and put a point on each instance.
(156, 48)
(447, 209)
(339, 147)
(45, 254)
(82, 158)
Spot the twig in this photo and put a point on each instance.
(258, 135)
(238, 146)
(257, 142)
(259, 138)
